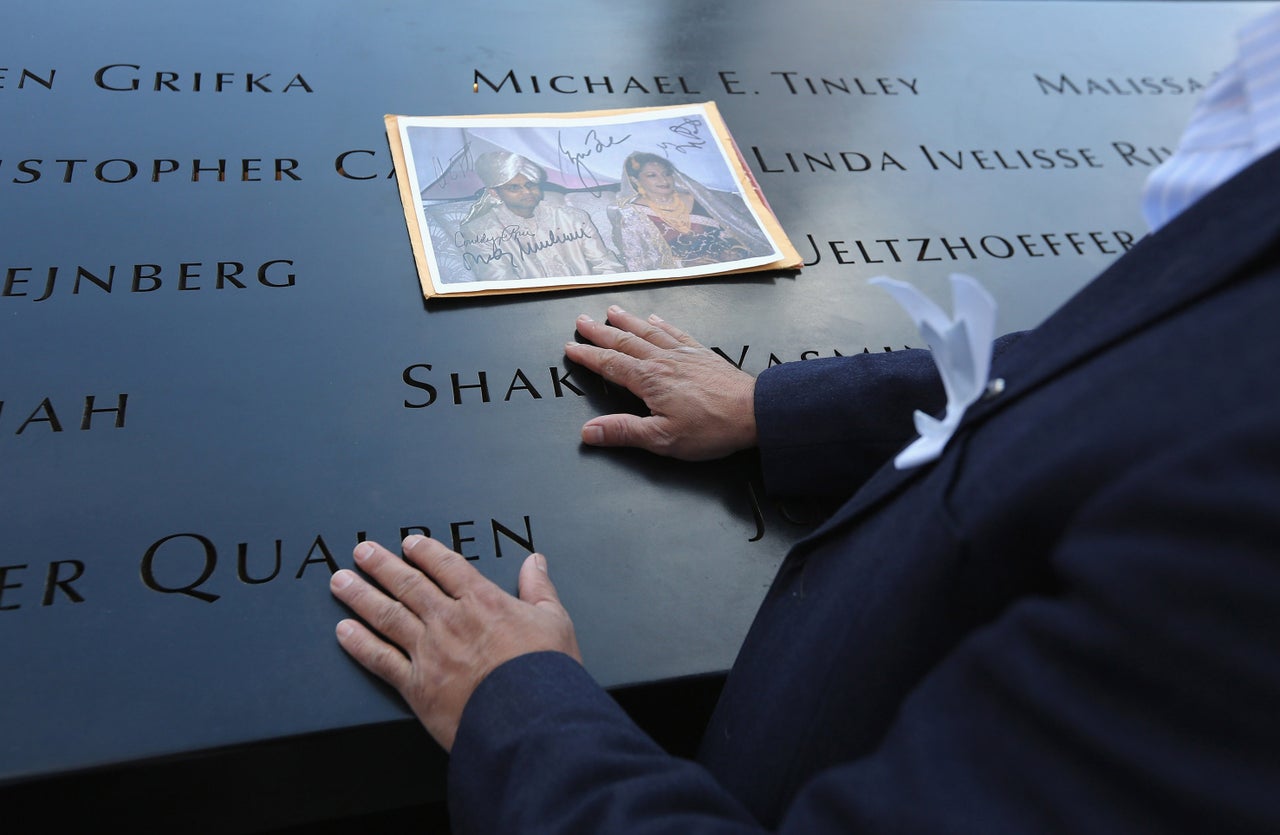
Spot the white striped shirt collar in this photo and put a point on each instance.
(1236, 122)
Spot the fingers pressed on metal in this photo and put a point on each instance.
(373, 653)
(614, 366)
(616, 430)
(631, 344)
(535, 584)
(404, 582)
(447, 569)
(679, 336)
(646, 329)
(617, 338)
(389, 617)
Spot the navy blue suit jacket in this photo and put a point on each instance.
(1069, 622)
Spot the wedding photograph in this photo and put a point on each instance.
(550, 201)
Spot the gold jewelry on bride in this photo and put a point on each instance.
(675, 213)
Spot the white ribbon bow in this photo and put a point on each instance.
(961, 346)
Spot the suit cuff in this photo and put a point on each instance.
(825, 425)
(524, 718)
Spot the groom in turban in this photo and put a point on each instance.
(513, 234)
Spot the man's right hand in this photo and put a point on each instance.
(701, 406)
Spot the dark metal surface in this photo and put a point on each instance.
(289, 410)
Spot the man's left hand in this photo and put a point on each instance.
(442, 626)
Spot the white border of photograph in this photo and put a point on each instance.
(582, 155)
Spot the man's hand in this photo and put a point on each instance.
(443, 626)
(702, 406)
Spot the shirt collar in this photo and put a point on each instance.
(1259, 66)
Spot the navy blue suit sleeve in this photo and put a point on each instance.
(825, 425)
(542, 749)
(1138, 696)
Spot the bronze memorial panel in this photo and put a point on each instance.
(220, 374)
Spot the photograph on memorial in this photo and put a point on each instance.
(518, 203)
